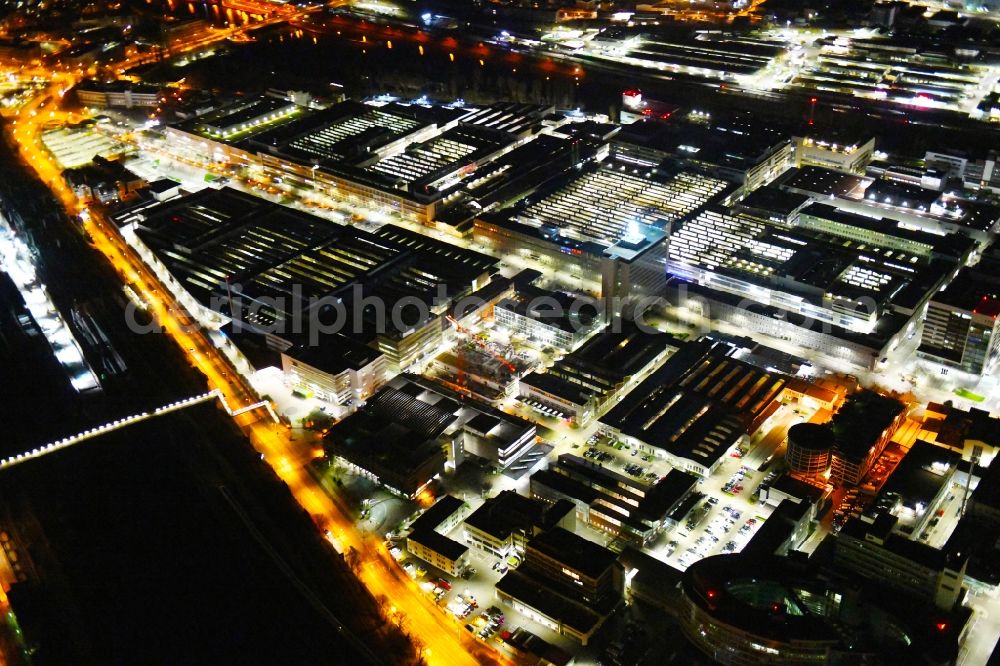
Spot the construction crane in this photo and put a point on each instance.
(482, 347)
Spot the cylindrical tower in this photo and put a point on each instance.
(809, 446)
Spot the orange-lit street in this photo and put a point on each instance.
(441, 639)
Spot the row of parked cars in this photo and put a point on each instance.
(735, 483)
(488, 623)
(601, 456)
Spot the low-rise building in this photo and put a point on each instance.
(850, 155)
(117, 94)
(918, 486)
(696, 407)
(788, 526)
(585, 383)
(740, 610)
(549, 318)
(631, 510)
(566, 583)
(962, 324)
(974, 434)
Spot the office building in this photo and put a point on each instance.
(566, 583)
(118, 94)
(338, 369)
(876, 551)
(428, 537)
(740, 610)
(961, 328)
(431, 416)
(631, 510)
(504, 524)
(737, 149)
(584, 384)
(850, 155)
(398, 439)
(918, 487)
(549, 318)
(862, 428)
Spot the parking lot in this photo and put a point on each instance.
(471, 601)
(723, 522)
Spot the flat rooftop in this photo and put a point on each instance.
(224, 242)
(619, 351)
(536, 594)
(553, 308)
(772, 199)
(862, 419)
(953, 245)
(334, 354)
(825, 182)
(506, 514)
(697, 404)
(242, 118)
(736, 143)
(920, 474)
(443, 509)
(606, 203)
(575, 552)
(439, 543)
(975, 289)
(822, 265)
(345, 131)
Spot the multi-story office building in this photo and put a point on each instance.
(118, 94)
(906, 202)
(862, 428)
(850, 155)
(832, 279)
(755, 610)
(961, 327)
(338, 369)
(738, 149)
(585, 383)
(629, 509)
(566, 583)
(410, 429)
(504, 524)
(397, 439)
(428, 538)
(982, 173)
(873, 550)
(549, 318)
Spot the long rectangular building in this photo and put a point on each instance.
(230, 255)
(696, 407)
